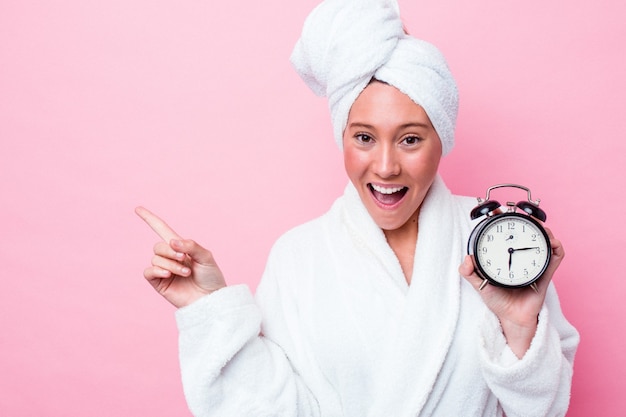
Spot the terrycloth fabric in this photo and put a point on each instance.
(346, 43)
(336, 331)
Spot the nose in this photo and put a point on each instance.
(387, 162)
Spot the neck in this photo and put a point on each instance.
(402, 241)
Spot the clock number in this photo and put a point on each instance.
(499, 270)
(511, 225)
(489, 238)
(534, 237)
(498, 228)
(484, 249)
(488, 262)
(511, 275)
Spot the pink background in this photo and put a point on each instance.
(192, 109)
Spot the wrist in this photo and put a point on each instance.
(518, 335)
(197, 295)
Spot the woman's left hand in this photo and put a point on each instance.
(516, 308)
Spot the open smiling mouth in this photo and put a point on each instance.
(387, 196)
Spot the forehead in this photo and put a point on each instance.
(381, 102)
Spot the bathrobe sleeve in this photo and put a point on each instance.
(229, 368)
(539, 383)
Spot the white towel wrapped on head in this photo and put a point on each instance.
(346, 43)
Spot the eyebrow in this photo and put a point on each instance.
(403, 126)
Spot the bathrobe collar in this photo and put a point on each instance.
(408, 371)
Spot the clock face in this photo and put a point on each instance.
(511, 250)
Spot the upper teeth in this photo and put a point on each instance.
(384, 190)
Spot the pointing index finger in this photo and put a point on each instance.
(159, 226)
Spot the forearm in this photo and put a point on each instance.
(539, 383)
(228, 369)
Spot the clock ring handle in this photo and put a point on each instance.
(521, 187)
(531, 207)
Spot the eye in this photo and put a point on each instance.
(363, 138)
(411, 140)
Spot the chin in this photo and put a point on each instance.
(388, 224)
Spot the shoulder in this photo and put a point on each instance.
(299, 256)
(311, 237)
(465, 203)
(460, 206)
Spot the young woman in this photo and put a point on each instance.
(365, 311)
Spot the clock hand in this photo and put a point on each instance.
(512, 250)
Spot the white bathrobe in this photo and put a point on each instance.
(335, 330)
